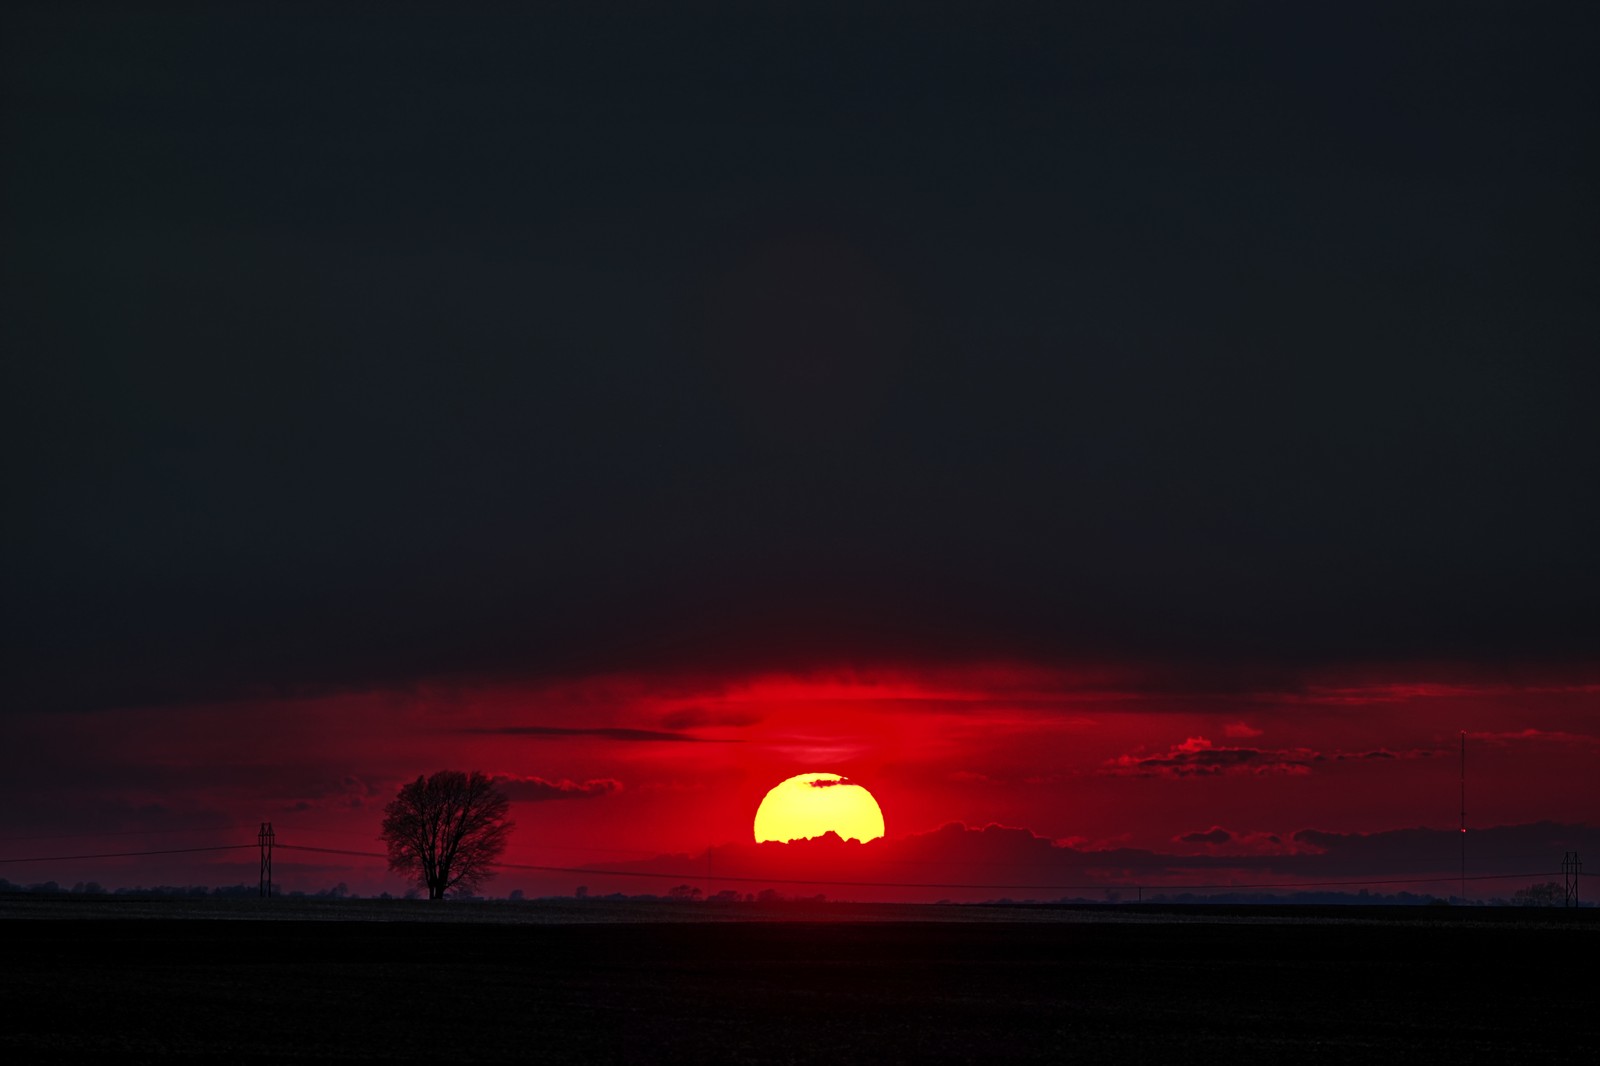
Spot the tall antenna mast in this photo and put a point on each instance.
(1463, 816)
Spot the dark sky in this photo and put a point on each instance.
(355, 349)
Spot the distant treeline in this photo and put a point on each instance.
(93, 888)
(1549, 894)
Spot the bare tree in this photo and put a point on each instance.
(447, 830)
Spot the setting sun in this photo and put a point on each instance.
(811, 805)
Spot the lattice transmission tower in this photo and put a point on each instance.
(265, 839)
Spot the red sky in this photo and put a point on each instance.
(1221, 772)
(1159, 433)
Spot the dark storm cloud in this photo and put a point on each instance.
(602, 734)
(1214, 835)
(1535, 847)
(1015, 858)
(349, 792)
(538, 790)
(1198, 757)
(554, 344)
(1555, 738)
(1382, 754)
(700, 717)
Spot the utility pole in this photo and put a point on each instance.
(265, 839)
(1463, 816)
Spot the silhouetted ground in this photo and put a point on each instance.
(549, 982)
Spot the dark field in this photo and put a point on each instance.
(146, 982)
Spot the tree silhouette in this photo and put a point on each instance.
(447, 830)
(1548, 894)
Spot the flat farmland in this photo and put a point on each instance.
(161, 981)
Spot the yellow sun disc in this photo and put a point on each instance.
(812, 804)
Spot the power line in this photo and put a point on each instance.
(128, 854)
(333, 851)
(123, 833)
(535, 847)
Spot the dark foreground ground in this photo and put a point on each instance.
(1227, 986)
